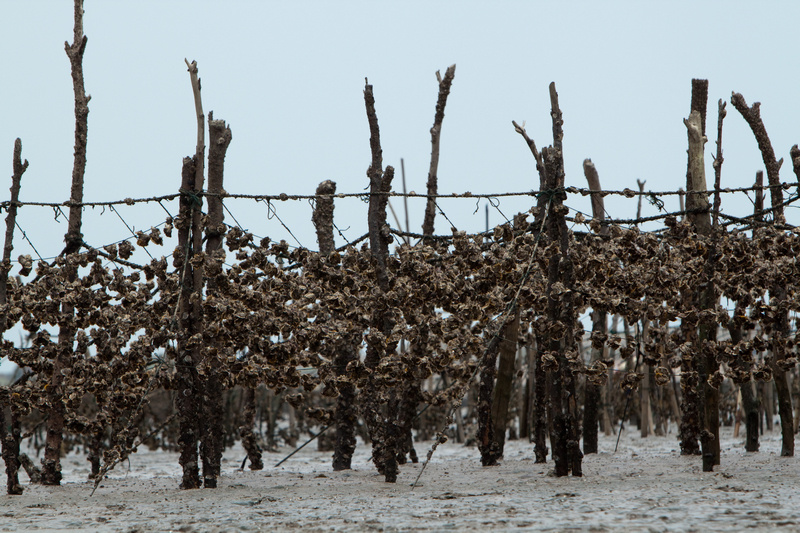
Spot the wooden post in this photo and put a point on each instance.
(593, 397)
(778, 293)
(190, 243)
(10, 440)
(645, 406)
(346, 346)
(646, 415)
(565, 436)
(51, 465)
(743, 364)
(505, 381)
(692, 419)
(526, 402)
(249, 442)
(698, 205)
(187, 380)
(382, 429)
(212, 431)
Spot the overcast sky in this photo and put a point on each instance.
(289, 76)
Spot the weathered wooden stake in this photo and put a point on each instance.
(778, 295)
(593, 398)
(211, 446)
(190, 244)
(51, 464)
(565, 435)
(10, 440)
(383, 429)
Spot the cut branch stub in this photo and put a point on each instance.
(220, 136)
(558, 120)
(323, 216)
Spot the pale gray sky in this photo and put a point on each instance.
(288, 77)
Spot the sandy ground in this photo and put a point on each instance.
(645, 486)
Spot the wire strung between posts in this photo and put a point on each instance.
(342, 234)
(165, 209)
(313, 436)
(353, 243)
(443, 213)
(492, 201)
(25, 237)
(272, 213)
(629, 193)
(129, 228)
(510, 308)
(225, 207)
(746, 221)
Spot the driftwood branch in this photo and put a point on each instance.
(752, 115)
(436, 130)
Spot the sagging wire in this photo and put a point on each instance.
(271, 213)
(492, 200)
(342, 234)
(129, 229)
(25, 237)
(443, 213)
(225, 207)
(165, 209)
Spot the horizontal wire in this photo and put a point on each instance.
(630, 193)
